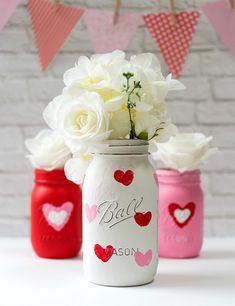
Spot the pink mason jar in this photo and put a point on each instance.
(180, 213)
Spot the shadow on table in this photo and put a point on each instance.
(191, 281)
(218, 254)
(201, 279)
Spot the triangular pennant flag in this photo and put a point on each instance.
(105, 35)
(51, 27)
(6, 9)
(173, 40)
(222, 19)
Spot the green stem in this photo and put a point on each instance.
(156, 133)
(132, 131)
(130, 105)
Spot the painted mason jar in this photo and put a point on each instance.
(120, 215)
(56, 215)
(180, 213)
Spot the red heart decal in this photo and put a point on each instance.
(143, 219)
(124, 178)
(103, 253)
(181, 215)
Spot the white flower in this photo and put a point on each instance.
(185, 151)
(75, 168)
(48, 150)
(102, 73)
(146, 69)
(154, 125)
(107, 96)
(120, 124)
(96, 72)
(165, 131)
(83, 121)
(147, 124)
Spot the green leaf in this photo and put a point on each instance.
(143, 136)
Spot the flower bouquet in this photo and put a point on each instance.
(107, 98)
(180, 194)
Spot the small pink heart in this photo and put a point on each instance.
(57, 216)
(91, 212)
(143, 259)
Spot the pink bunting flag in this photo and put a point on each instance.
(7, 7)
(51, 27)
(173, 40)
(222, 19)
(105, 35)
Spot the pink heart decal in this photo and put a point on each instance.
(57, 216)
(143, 259)
(91, 212)
(181, 215)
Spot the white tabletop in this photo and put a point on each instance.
(26, 280)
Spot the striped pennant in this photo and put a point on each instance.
(51, 27)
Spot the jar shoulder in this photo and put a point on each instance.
(55, 193)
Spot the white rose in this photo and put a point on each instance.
(102, 73)
(48, 150)
(185, 151)
(83, 121)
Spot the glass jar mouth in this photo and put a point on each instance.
(171, 176)
(122, 147)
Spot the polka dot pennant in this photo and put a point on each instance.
(173, 40)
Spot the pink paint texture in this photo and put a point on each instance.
(175, 240)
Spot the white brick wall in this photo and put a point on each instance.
(208, 105)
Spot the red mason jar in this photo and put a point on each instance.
(56, 215)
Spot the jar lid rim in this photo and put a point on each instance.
(124, 142)
(122, 147)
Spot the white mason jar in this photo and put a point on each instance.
(120, 215)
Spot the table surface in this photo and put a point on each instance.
(26, 280)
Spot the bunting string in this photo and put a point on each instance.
(52, 23)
